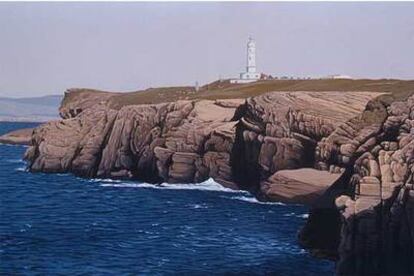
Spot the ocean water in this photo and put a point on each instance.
(59, 224)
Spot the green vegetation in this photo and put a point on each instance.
(398, 89)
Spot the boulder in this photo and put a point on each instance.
(298, 186)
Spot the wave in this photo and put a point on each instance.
(305, 216)
(62, 174)
(252, 199)
(15, 161)
(198, 206)
(208, 185)
(104, 180)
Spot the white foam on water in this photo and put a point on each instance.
(62, 174)
(296, 215)
(289, 214)
(105, 180)
(15, 160)
(198, 206)
(251, 199)
(21, 169)
(208, 185)
(127, 185)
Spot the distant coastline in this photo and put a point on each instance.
(32, 109)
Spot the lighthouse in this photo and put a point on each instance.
(251, 56)
(251, 74)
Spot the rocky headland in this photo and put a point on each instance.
(239, 143)
(346, 153)
(17, 137)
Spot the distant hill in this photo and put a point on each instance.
(33, 109)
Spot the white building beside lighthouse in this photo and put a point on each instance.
(250, 75)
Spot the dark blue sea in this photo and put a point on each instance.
(59, 224)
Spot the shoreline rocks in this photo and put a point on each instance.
(17, 137)
(239, 143)
(348, 155)
(374, 204)
(303, 185)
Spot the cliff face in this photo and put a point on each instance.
(369, 215)
(279, 131)
(378, 219)
(77, 100)
(182, 141)
(239, 143)
(347, 154)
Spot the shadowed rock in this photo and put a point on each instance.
(375, 202)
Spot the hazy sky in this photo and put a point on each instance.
(48, 47)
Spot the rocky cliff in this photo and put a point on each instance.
(347, 154)
(366, 220)
(240, 143)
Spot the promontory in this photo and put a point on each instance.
(343, 147)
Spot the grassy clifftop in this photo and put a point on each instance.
(398, 89)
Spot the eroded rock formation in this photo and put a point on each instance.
(239, 143)
(77, 100)
(178, 142)
(280, 131)
(303, 185)
(374, 203)
(352, 156)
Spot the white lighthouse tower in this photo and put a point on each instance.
(251, 56)
(250, 75)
